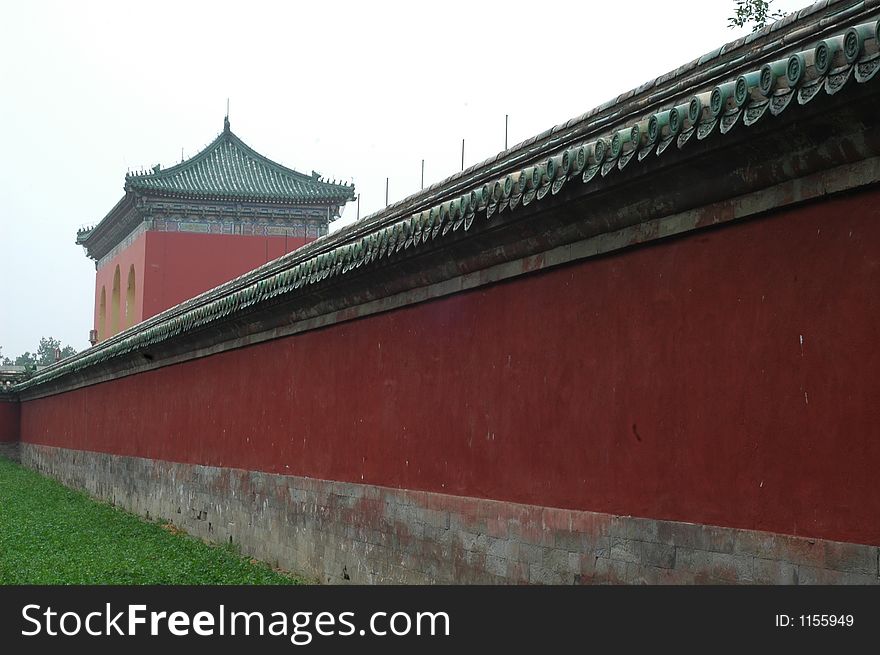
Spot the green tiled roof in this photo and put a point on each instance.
(228, 168)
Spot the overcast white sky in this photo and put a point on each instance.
(354, 90)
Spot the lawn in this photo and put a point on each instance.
(50, 534)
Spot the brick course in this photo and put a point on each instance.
(338, 532)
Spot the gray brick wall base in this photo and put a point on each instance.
(338, 532)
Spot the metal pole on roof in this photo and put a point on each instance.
(386, 191)
(505, 131)
(359, 208)
(462, 154)
(423, 174)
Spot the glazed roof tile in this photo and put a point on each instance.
(229, 168)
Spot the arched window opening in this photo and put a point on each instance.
(102, 315)
(114, 304)
(129, 298)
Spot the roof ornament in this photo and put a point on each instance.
(226, 123)
(157, 168)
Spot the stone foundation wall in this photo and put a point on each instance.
(341, 532)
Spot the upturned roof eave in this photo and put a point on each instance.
(105, 224)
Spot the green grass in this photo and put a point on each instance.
(50, 534)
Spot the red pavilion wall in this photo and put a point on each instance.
(181, 265)
(171, 267)
(727, 377)
(132, 255)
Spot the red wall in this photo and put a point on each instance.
(10, 418)
(728, 377)
(133, 255)
(171, 267)
(181, 265)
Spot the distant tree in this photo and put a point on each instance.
(26, 359)
(756, 12)
(47, 348)
(44, 356)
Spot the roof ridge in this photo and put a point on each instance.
(184, 165)
(272, 164)
(229, 167)
(228, 136)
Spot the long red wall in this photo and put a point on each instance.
(727, 377)
(10, 421)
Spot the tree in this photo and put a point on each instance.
(26, 359)
(44, 356)
(47, 348)
(756, 12)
